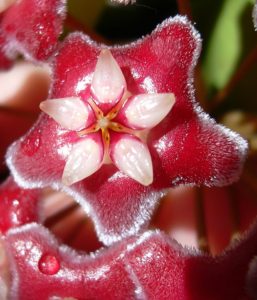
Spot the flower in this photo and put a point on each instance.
(186, 147)
(124, 119)
(29, 27)
(127, 270)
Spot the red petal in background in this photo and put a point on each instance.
(151, 266)
(32, 27)
(17, 206)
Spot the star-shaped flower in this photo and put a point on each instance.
(29, 27)
(121, 118)
(186, 147)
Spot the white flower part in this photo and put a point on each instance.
(108, 83)
(133, 158)
(4, 4)
(71, 113)
(147, 110)
(84, 160)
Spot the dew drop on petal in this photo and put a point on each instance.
(48, 264)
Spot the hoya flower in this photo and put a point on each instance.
(150, 266)
(126, 116)
(29, 27)
(123, 85)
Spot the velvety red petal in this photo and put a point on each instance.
(17, 206)
(186, 147)
(32, 27)
(60, 271)
(197, 151)
(148, 267)
(185, 274)
(106, 193)
(175, 41)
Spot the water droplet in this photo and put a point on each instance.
(49, 264)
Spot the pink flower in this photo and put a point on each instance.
(120, 117)
(150, 266)
(186, 147)
(29, 27)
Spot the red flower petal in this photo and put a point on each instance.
(58, 271)
(150, 267)
(17, 206)
(186, 147)
(197, 151)
(106, 193)
(32, 27)
(184, 274)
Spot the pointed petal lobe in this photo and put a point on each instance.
(147, 110)
(71, 113)
(133, 158)
(84, 160)
(108, 81)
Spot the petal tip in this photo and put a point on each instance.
(108, 83)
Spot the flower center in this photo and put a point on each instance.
(103, 123)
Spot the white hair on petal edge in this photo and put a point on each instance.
(148, 203)
(255, 16)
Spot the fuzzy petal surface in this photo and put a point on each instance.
(120, 271)
(17, 206)
(187, 146)
(32, 27)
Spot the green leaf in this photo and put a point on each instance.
(225, 45)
